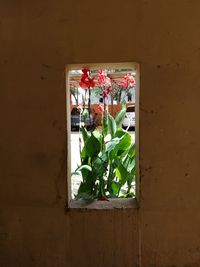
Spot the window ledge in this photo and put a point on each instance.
(128, 203)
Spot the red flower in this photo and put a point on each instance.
(128, 81)
(85, 71)
(86, 80)
(100, 108)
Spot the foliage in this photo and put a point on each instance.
(108, 156)
(107, 161)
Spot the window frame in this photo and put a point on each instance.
(114, 203)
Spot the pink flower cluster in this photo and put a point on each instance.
(105, 83)
(128, 81)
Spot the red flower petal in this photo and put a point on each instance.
(100, 108)
(91, 82)
(85, 71)
(83, 85)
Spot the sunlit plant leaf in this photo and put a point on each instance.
(112, 125)
(120, 117)
(92, 146)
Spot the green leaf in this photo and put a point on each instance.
(82, 168)
(115, 188)
(130, 179)
(92, 146)
(75, 173)
(86, 167)
(133, 171)
(112, 125)
(131, 165)
(104, 127)
(96, 133)
(100, 166)
(85, 134)
(128, 163)
(119, 146)
(131, 152)
(122, 174)
(120, 132)
(87, 175)
(83, 153)
(112, 144)
(84, 188)
(124, 143)
(120, 117)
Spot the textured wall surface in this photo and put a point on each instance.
(37, 40)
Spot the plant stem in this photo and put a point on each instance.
(89, 101)
(79, 134)
(109, 176)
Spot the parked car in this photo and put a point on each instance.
(77, 120)
(129, 120)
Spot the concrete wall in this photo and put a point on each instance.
(38, 38)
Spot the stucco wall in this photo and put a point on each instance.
(38, 38)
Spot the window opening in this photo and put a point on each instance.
(103, 126)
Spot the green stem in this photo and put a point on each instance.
(89, 161)
(89, 111)
(109, 176)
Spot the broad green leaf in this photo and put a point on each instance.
(85, 187)
(85, 134)
(87, 175)
(122, 174)
(133, 171)
(120, 132)
(100, 166)
(112, 144)
(131, 152)
(124, 143)
(96, 133)
(112, 125)
(125, 161)
(115, 188)
(130, 179)
(92, 146)
(131, 165)
(83, 153)
(120, 117)
(118, 146)
(86, 167)
(75, 173)
(81, 168)
(121, 153)
(128, 163)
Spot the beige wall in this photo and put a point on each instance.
(38, 38)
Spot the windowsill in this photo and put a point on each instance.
(128, 203)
